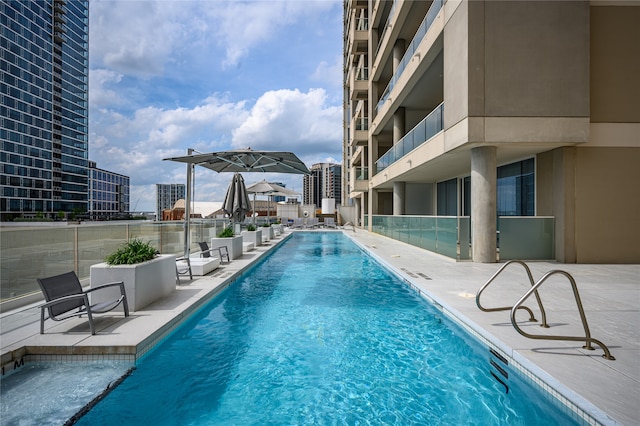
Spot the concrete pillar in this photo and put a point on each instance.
(398, 53)
(398, 125)
(398, 198)
(483, 203)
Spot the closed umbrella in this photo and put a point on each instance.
(236, 203)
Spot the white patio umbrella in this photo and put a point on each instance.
(269, 189)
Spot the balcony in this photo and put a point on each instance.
(413, 47)
(359, 178)
(359, 36)
(359, 84)
(431, 125)
(359, 131)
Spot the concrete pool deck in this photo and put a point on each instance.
(610, 295)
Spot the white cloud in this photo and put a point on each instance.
(137, 36)
(283, 120)
(99, 82)
(135, 145)
(241, 26)
(329, 74)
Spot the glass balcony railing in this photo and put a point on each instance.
(447, 235)
(431, 125)
(27, 253)
(362, 23)
(362, 73)
(362, 123)
(362, 173)
(415, 42)
(521, 237)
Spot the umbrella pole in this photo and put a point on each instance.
(187, 209)
(254, 209)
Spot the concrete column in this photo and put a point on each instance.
(398, 198)
(483, 204)
(398, 53)
(398, 125)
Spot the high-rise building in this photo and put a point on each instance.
(500, 115)
(166, 196)
(325, 181)
(108, 194)
(44, 62)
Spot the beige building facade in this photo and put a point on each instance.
(496, 112)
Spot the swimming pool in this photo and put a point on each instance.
(319, 333)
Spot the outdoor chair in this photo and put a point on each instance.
(65, 299)
(205, 251)
(329, 222)
(183, 267)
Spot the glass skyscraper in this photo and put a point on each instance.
(44, 79)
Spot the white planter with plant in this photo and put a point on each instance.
(266, 232)
(252, 235)
(228, 239)
(147, 276)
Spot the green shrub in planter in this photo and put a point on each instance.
(132, 252)
(266, 225)
(251, 228)
(226, 233)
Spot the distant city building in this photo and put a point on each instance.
(108, 194)
(325, 181)
(166, 196)
(279, 198)
(44, 55)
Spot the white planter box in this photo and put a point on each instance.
(144, 283)
(233, 244)
(266, 233)
(254, 237)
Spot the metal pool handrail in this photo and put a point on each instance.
(509, 308)
(587, 337)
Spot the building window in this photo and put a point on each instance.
(516, 189)
(448, 197)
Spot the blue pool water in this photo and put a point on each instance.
(320, 333)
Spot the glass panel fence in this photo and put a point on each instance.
(526, 237)
(447, 236)
(437, 234)
(28, 253)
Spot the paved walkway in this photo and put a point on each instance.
(608, 390)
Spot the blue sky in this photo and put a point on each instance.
(213, 75)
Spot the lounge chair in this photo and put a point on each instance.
(329, 222)
(311, 222)
(205, 251)
(65, 299)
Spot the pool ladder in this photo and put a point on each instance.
(534, 290)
